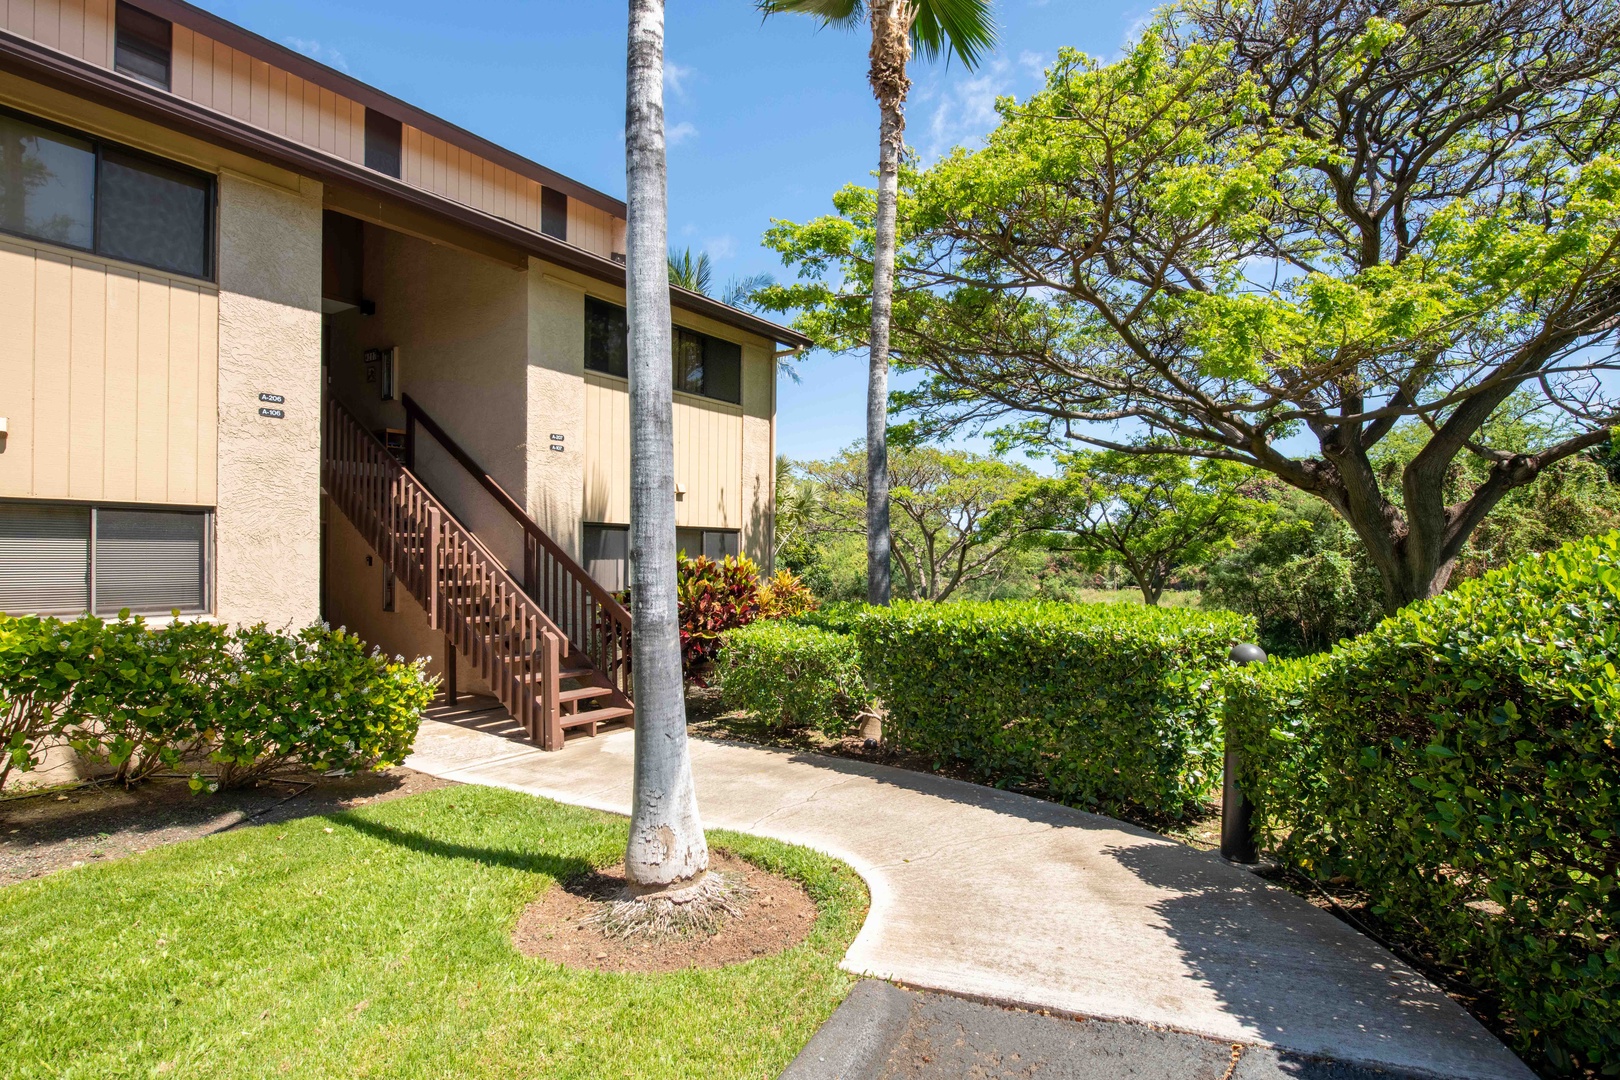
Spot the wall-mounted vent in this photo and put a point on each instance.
(143, 45)
(554, 213)
(383, 137)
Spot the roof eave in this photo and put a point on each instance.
(45, 65)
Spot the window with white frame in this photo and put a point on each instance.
(66, 559)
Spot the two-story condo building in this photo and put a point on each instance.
(277, 346)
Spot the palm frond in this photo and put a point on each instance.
(691, 272)
(963, 28)
(843, 14)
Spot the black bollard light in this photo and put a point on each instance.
(1237, 813)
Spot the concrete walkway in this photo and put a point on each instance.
(982, 893)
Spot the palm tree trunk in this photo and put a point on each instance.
(891, 51)
(666, 847)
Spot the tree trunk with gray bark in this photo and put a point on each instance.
(891, 52)
(667, 850)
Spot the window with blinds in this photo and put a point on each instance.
(149, 561)
(44, 559)
(713, 544)
(66, 560)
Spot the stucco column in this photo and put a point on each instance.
(267, 528)
(556, 399)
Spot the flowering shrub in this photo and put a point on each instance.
(250, 701)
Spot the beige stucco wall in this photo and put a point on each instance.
(556, 397)
(268, 521)
(758, 453)
(461, 324)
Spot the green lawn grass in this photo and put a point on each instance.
(375, 943)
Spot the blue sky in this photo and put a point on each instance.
(767, 118)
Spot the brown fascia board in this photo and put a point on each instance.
(244, 40)
(44, 65)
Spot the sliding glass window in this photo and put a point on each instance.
(65, 560)
(76, 191)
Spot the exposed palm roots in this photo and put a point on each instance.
(700, 909)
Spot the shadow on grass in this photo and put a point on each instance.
(557, 867)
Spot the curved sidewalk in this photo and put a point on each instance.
(1005, 897)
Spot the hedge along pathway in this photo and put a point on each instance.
(1000, 896)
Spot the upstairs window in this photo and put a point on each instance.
(702, 365)
(708, 366)
(143, 45)
(383, 137)
(607, 338)
(554, 213)
(67, 189)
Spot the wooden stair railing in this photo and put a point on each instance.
(596, 625)
(468, 595)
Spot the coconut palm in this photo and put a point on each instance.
(689, 271)
(666, 851)
(900, 28)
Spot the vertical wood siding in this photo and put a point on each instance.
(219, 77)
(708, 458)
(81, 28)
(232, 82)
(109, 378)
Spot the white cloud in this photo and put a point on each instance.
(720, 247)
(675, 76)
(964, 104)
(316, 51)
(680, 133)
(966, 109)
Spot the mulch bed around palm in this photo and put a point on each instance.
(775, 915)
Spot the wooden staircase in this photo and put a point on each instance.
(554, 647)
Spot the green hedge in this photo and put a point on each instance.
(1459, 763)
(838, 617)
(1097, 705)
(232, 705)
(798, 676)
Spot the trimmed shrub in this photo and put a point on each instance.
(252, 700)
(317, 699)
(146, 700)
(1459, 764)
(1096, 705)
(837, 618)
(41, 661)
(798, 676)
